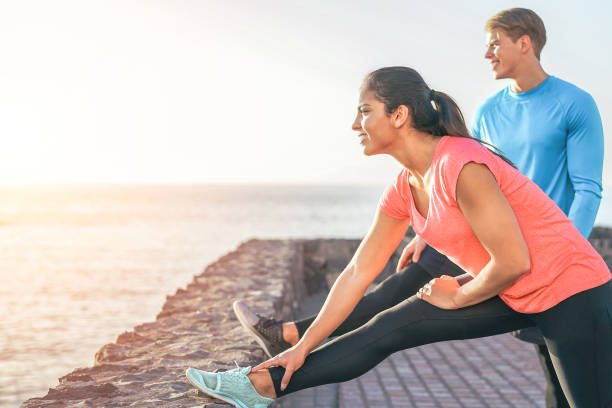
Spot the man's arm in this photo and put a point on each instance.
(585, 152)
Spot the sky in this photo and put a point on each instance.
(240, 91)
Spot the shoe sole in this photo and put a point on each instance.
(248, 328)
(210, 392)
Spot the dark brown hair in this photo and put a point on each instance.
(431, 111)
(517, 22)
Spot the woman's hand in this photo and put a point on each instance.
(292, 359)
(440, 292)
(412, 252)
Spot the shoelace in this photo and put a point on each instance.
(237, 372)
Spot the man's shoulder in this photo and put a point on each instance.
(559, 83)
(574, 101)
(491, 102)
(556, 91)
(566, 92)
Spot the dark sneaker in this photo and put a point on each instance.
(267, 332)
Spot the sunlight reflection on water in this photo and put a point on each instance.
(82, 264)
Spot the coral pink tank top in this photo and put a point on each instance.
(563, 262)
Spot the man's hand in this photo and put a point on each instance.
(412, 252)
(292, 359)
(440, 292)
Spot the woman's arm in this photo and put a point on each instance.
(493, 222)
(370, 258)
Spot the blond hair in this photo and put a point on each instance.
(516, 22)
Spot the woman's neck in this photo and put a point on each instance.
(416, 153)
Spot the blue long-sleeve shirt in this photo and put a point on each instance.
(553, 134)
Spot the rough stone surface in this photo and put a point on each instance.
(195, 328)
(145, 367)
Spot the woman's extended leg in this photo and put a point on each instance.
(393, 290)
(411, 323)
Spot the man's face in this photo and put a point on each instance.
(503, 54)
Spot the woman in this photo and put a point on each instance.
(530, 265)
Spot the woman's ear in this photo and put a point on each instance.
(401, 117)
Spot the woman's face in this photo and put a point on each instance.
(375, 129)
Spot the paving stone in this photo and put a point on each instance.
(499, 371)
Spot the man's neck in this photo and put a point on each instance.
(527, 78)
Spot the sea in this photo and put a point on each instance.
(79, 265)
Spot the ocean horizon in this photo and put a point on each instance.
(83, 263)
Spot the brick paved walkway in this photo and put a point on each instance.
(497, 372)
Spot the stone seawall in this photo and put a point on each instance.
(196, 327)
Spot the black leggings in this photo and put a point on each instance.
(578, 333)
(393, 290)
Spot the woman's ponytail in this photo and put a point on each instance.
(432, 111)
(450, 118)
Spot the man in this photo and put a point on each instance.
(552, 132)
(549, 128)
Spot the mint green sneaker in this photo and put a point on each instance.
(231, 386)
